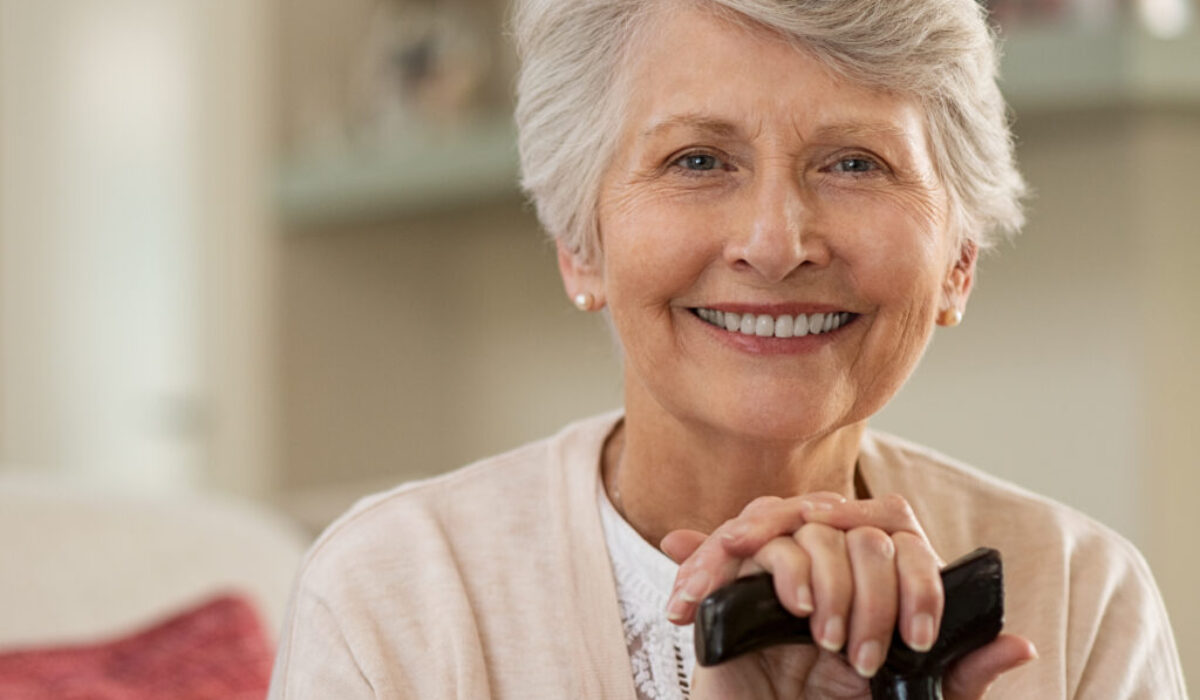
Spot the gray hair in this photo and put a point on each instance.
(941, 52)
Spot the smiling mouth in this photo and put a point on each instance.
(783, 326)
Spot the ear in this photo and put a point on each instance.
(956, 288)
(580, 277)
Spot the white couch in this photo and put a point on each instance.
(78, 566)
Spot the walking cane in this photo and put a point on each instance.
(745, 615)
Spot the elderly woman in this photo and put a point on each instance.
(775, 202)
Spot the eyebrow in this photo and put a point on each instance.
(721, 127)
(692, 120)
(862, 130)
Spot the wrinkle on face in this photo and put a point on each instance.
(898, 142)
(778, 121)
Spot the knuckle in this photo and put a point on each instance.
(771, 557)
(928, 594)
(760, 504)
(876, 608)
(812, 535)
(873, 541)
(698, 561)
(749, 567)
(731, 526)
(777, 546)
(916, 549)
(898, 506)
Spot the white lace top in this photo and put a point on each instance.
(662, 654)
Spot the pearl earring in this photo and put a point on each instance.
(584, 301)
(951, 317)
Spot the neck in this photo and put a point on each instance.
(664, 476)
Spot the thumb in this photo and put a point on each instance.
(975, 672)
(679, 544)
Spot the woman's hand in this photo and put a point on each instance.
(856, 569)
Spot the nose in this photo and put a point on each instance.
(777, 237)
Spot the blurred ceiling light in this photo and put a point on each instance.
(1165, 19)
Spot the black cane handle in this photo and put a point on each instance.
(745, 615)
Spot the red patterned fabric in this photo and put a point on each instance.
(216, 651)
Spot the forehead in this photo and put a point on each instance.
(693, 65)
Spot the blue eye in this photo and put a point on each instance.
(699, 161)
(855, 165)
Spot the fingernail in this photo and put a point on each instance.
(734, 533)
(922, 632)
(695, 588)
(831, 497)
(809, 506)
(675, 610)
(869, 658)
(804, 601)
(834, 634)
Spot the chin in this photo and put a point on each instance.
(774, 425)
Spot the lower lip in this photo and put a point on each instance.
(770, 345)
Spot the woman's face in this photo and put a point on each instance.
(749, 180)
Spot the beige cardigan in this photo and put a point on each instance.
(494, 581)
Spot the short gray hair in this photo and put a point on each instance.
(941, 52)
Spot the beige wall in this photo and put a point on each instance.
(1168, 238)
(416, 347)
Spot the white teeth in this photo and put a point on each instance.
(784, 326)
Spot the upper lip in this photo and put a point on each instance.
(791, 309)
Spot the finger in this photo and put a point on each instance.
(749, 567)
(970, 678)
(921, 595)
(891, 513)
(876, 598)
(707, 568)
(680, 544)
(768, 517)
(832, 583)
(790, 568)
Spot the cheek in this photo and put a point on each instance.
(894, 252)
(652, 253)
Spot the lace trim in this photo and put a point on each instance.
(661, 654)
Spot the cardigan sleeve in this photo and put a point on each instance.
(381, 610)
(315, 659)
(1126, 649)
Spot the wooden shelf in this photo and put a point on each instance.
(429, 172)
(1043, 71)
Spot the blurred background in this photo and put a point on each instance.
(274, 251)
